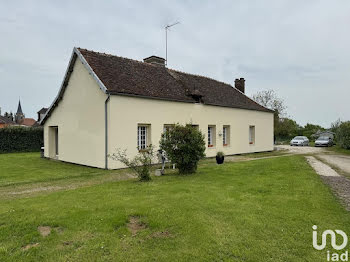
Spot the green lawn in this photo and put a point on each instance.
(259, 210)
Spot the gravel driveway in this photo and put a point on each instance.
(339, 184)
(339, 161)
(301, 149)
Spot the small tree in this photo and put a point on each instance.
(141, 164)
(343, 135)
(184, 146)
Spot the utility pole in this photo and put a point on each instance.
(166, 41)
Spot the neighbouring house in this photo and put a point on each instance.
(30, 122)
(326, 133)
(41, 113)
(5, 121)
(108, 102)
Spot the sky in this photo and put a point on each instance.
(300, 49)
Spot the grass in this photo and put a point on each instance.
(244, 211)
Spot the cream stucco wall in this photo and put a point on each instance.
(127, 112)
(79, 117)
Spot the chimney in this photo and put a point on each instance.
(240, 85)
(155, 60)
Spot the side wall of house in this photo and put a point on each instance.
(125, 113)
(80, 119)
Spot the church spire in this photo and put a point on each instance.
(19, 109)
(19, 115)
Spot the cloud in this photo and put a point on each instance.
(298, 48)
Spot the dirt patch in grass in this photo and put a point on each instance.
(161, 234)
(29, 246)
(135, 225)
(44, 230)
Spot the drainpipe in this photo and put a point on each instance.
(106, 132)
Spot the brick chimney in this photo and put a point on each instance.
(155, 60)
(240, 85)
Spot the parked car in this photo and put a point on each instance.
(299, 141)
(324, 141)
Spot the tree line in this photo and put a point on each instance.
(286, 128)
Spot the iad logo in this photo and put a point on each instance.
(331, 256)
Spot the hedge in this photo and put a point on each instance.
(343, 135)
(21, 139)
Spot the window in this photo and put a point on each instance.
(142, 137)
(251, 135)
(166, 129)
(226, 135)
(211, 136)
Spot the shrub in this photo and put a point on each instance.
(184, 146)
(21, 139)
(220, 154)
(343, 135)
(141, 164)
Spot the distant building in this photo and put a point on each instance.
(41, 113)
(5, 121)
(19, 115)
(20, 118)
(326, 133)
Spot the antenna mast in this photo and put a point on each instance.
(166, 41)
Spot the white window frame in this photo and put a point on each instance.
(224, 135)
(211, 136)
(142, 133)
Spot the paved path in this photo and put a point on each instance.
(321, 168)
(339, 161)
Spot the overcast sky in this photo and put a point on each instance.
(298, 48)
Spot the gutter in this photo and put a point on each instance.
(106, 131)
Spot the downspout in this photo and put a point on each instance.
(106, 131)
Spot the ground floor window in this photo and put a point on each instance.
(251, 135)
(226, 135)
(142, 136)
(211, 136)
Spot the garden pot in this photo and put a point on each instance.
(220, 160)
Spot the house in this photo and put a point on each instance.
(108, 102)
(41, 113)
(326, 133)
(29, 122)
(5, 121)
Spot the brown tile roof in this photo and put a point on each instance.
(130, 77)
(5, 120)
(27, 122)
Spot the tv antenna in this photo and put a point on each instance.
(166, 40)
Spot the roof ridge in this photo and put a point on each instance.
(148, 64)
(117, 56)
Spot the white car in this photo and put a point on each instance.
(299, 141)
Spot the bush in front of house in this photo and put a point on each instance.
(184, 146)
(141, 164)
(343, 135)
(21, 139)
